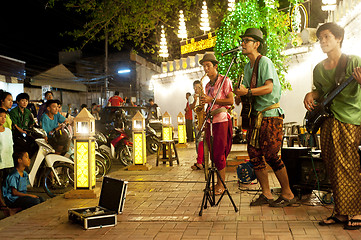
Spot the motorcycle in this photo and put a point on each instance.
(152, 140)
(117, 145)
(55, 173)
(123, 147)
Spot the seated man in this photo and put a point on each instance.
(51, 122)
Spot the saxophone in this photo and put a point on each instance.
(199, 109)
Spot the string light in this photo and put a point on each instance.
(182, 32)
(163, 52)
(204, 18)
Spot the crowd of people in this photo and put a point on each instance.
(17, 144)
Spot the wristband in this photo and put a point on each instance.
(249, 93)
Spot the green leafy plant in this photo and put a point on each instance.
(254, 14)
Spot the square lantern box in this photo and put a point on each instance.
(167, 129)
(182, 132)
(111, 203)
(139, 144)
(84, 156)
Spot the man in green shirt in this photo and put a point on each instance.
(341, 133)
(264, 137)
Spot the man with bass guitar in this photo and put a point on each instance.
(264, 136)
(341, 131)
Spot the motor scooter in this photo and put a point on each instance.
(152, 140)
(118, 145)
(55, 173)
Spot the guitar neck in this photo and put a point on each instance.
(336, 91)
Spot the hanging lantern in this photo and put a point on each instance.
(204, 18)
(163, 52)
(231, 5)
(182, 32)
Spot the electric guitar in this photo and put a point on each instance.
(314, 119)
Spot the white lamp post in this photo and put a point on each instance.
(167, 130)
(139, 144)
(84, 156)
(182, 133)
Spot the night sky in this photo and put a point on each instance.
(31, 32)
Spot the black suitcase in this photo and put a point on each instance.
(111, 203)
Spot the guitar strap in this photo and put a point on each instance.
(341, 69)
(255, 72)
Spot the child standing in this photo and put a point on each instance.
(15, 189)
(6, 150)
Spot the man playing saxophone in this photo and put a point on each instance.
(221, 120)
(198, 109)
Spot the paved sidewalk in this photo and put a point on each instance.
(164, 203)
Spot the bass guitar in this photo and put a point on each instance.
(314, 119)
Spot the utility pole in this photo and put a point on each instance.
(106, 66)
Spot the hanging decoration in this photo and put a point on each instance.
(231, 5)
(182, 32)
(204, 18)
(163, 52)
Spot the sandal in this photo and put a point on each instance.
(283, 202)
(196, 167)
(334, 219)
(261, 200)
(349, 226)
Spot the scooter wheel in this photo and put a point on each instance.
(100, 168)
(65, 173)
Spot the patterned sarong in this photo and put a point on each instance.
(339, 144)
(270, 141)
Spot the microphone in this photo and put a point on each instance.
(233, 50)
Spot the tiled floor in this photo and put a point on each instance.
(164, 203)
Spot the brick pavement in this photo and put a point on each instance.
(164, 203)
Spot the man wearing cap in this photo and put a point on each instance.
(264, 138)
(221, 120)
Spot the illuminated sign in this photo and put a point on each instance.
(195, 45)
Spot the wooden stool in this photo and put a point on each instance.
(166, 147)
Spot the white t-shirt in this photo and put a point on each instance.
(6, 149)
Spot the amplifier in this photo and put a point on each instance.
(311, 173)
(300, 170)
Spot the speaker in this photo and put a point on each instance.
(290, 157)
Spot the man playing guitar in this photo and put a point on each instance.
(341, 132)
(264, 137)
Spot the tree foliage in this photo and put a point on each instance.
(138, 22)
(256, 14)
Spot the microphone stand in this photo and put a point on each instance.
(209, 196)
